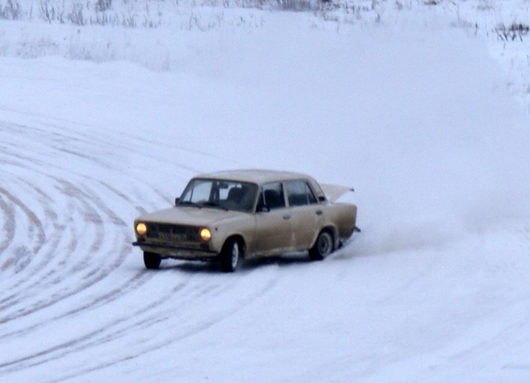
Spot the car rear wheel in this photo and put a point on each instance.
(230, 256)
(323, 246)
(152, 260)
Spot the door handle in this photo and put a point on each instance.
(286, 217)
(318, 212)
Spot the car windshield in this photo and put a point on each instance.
(222, 194)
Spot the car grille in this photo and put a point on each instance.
(173, 233)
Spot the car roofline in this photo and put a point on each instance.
(257, 176)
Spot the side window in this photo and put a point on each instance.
(272, 196)
(299, 193)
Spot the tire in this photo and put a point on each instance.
(230, 256)
(152, 260)
(324, 245)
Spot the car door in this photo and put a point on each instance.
(306, 214)
(273, 222)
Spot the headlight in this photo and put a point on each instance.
(141, 228)
(205, 234)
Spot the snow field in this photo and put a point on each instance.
(433, 290)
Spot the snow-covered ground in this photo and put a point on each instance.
(416, 117)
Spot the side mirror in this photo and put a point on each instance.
(322, 198)
(177, 200)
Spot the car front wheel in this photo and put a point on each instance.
(230, 256)
(323, 246)
(152, 260)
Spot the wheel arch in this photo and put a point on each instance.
(240, 240)
(330, 229)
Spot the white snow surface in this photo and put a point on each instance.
(435, 288)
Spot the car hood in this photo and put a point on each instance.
(190, 215)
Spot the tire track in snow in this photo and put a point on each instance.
(161, 318)
(94, 212)
(34, 227)
(89, 212)
(80, 239)
(42, 281)
(8, 227)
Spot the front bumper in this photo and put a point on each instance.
(176, 252)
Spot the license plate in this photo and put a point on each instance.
(171, 237)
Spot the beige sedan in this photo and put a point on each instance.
(230, 215)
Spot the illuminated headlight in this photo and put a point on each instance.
(141, 228)
(205, 234)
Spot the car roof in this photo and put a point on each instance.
(258, 176)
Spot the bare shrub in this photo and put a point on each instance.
(11, 10)
(103, 5)
(297, 5)
(51, 11)
(76, 15)
(513, 32)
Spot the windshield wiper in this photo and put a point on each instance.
(213, 204)
(189, 203)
